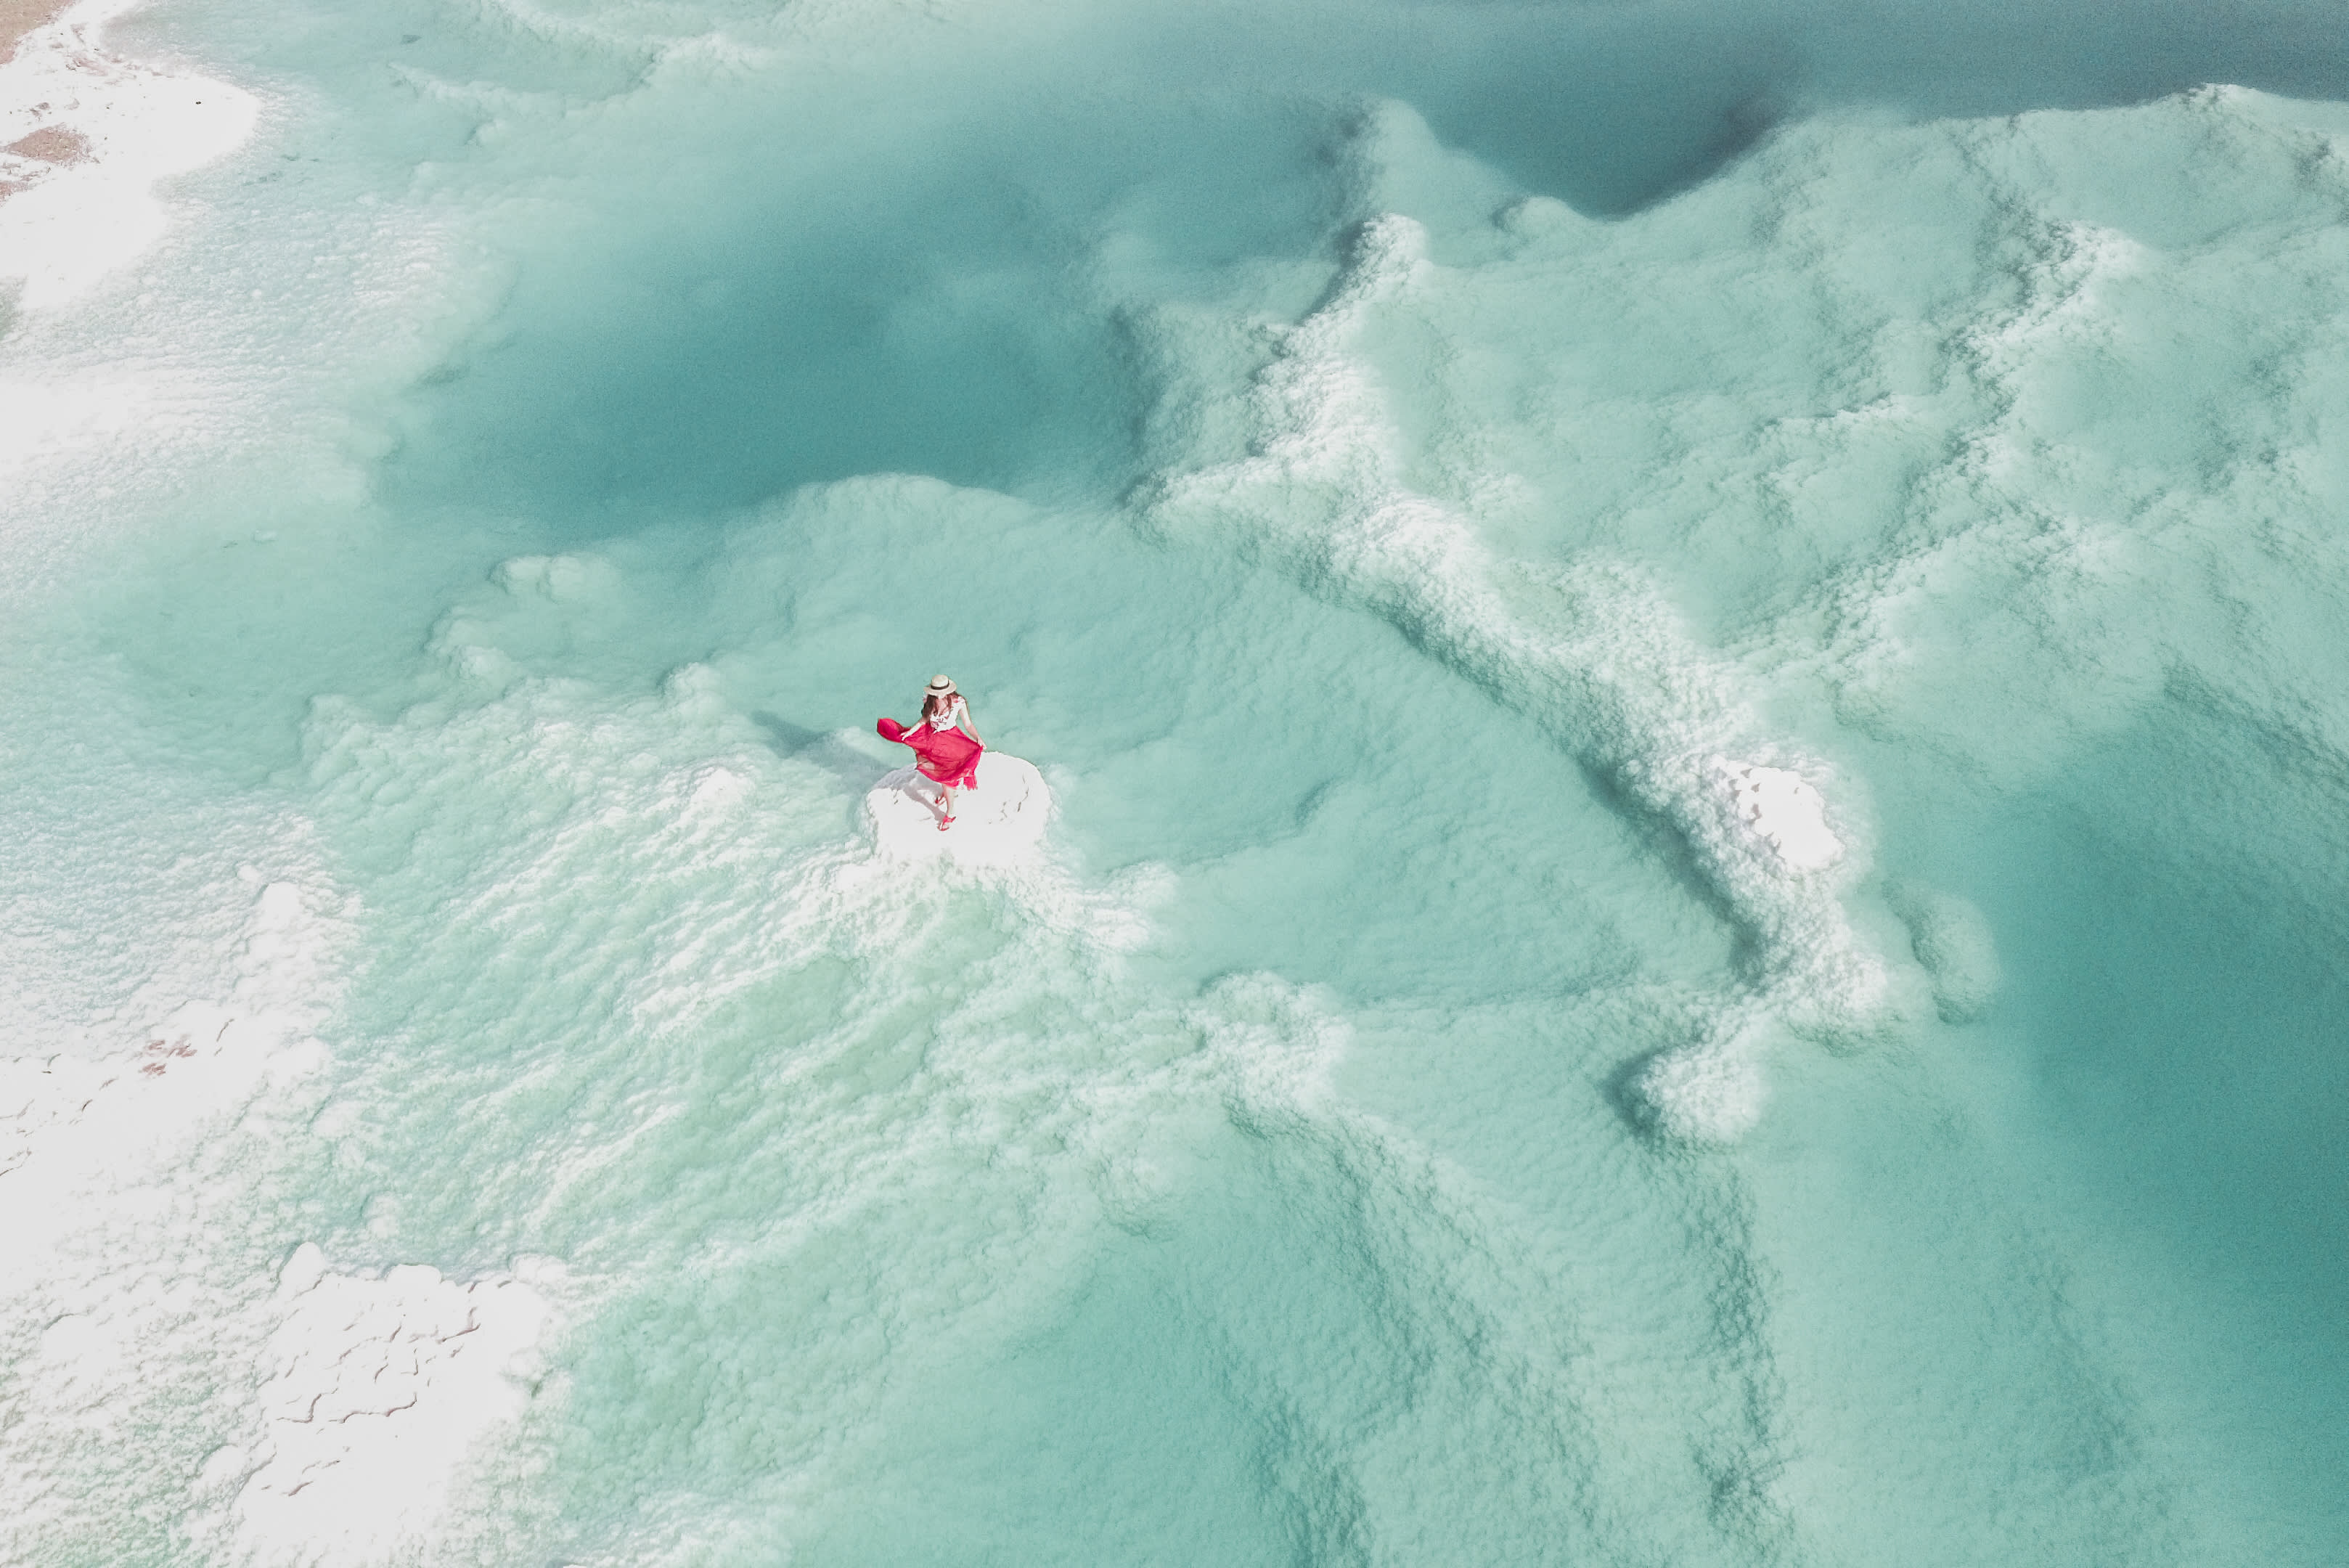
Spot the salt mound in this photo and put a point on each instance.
(1000, 822)
(1709, 1092)
(1782, 810)
(1952, 940)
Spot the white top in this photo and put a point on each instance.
(956, 716)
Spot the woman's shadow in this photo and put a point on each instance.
(827, 751)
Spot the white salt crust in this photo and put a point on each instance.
(66, 225)
(1782, 811)
(377, 1388)
(1000, 822)
(103, 1241)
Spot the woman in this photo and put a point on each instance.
(945, 744)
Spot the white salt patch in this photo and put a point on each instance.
(1783, 811)
(70, 1126)
(380, 1387)
(1000, 823)
(66, 225)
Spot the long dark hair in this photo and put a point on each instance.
(933, 706)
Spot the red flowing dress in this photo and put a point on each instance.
(948, 756)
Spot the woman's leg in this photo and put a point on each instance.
(946, 804)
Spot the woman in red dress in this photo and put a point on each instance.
(945, 744)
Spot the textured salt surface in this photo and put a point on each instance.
(1688, 913)
(378, 1385)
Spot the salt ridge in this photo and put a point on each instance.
(1592, 653)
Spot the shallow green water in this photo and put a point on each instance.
(1385, 465)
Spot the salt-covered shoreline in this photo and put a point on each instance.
(85, 137)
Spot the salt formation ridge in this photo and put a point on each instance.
(1951, 461)
(1588, 651)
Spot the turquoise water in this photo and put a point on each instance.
(1382, 464)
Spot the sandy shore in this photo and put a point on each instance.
(18, 17)
(49, 144)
